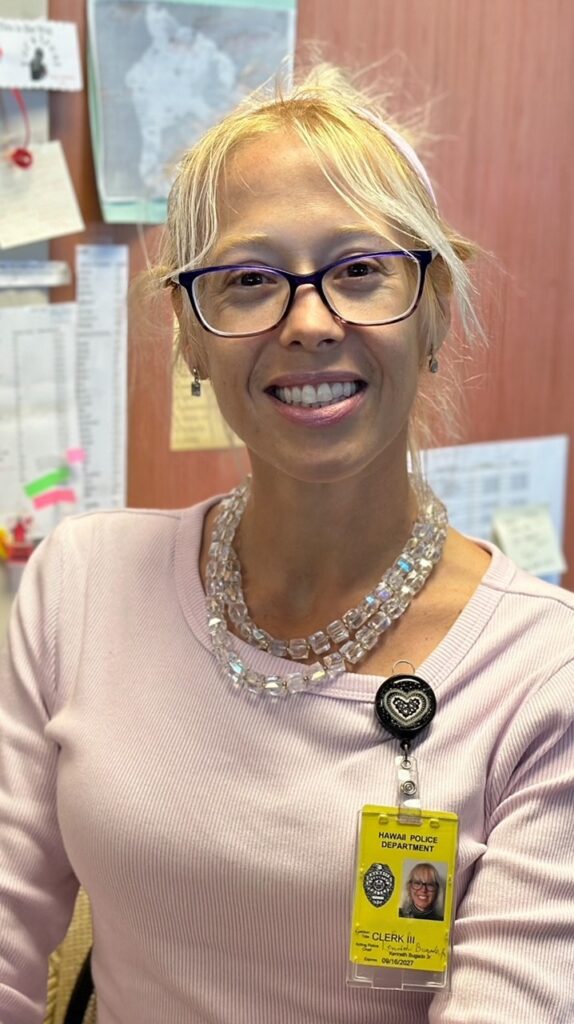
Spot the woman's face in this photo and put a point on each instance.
(277, 208)
(423, 888)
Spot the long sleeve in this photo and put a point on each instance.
(514, 933)
(37, 885)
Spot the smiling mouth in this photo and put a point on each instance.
(310, 397)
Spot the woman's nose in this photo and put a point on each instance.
(310, 323)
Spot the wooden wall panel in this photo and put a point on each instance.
(502, 80)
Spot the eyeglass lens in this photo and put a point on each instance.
(363, 290)
(428, 886)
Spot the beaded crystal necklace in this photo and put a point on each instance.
(344, 641)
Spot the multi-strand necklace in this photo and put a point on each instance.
(345, 641)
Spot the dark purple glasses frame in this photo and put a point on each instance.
(186, 279)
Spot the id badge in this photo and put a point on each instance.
(403, 900)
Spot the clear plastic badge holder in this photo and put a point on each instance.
(403, 901)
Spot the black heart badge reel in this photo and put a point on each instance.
(405, 705)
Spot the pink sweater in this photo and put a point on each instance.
(214, 831)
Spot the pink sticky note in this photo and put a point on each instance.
(58, 496)
(75, 455)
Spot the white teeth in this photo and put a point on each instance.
(324, 394)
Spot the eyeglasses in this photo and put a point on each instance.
(368, 290)
(427, 886)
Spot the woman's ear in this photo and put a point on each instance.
(443, 320)
(177, 301)
(187, 346)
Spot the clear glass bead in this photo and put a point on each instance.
(315, 674)
(214, 587)
(236, 675)
(353, 652)
(319, 642)
(415, 581)
(383, 592)
(261, 637)
(235, 663)
(404, 565)
(215, 623)
(338, 631)
(391, 608)
(298, 649)
(335, 665)
(221, 652)
(422, 529)
(274, 686)
(238, 612)
(296, 682)
(278, 648)
(354, 618)
(396, 580)
(366, 637)
(254, 681)
(380, 622)
(370, 603)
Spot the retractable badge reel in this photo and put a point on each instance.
(406, 855)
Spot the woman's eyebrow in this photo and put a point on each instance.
(233, 242)
(260, 240)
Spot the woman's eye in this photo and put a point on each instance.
(359, 269)
(250, 279)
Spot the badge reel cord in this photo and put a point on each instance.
(404, 706)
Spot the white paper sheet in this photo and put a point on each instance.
(39, 54)
(528, 536)
(39, 426)
(476, 480)
(34, 273)
(38, 201)
(102, 282)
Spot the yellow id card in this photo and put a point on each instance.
(402, 909)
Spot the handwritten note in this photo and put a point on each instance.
(528, 536)
(196, 423)
(39, 201)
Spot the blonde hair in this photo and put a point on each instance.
(334, 119)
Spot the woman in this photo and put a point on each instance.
(423, 891)
(188, 722)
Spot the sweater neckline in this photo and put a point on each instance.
(357, 686)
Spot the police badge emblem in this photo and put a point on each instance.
(379, 884)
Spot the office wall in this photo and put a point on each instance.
(502, 80)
